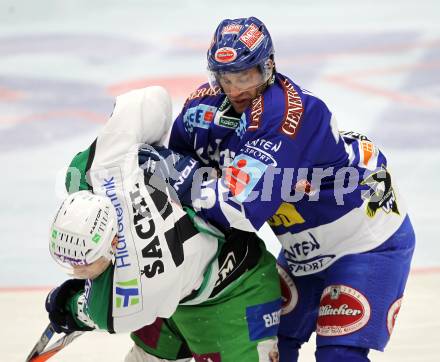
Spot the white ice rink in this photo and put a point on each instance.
(376, 63)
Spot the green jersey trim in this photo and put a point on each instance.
(76, 176)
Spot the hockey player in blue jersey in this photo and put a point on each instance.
(329, 196)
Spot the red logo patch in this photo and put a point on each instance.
(392, 314)
(209, 116)
(289, 293)
(237, 179)
(252, 37)
(225, 55)
(343, 310)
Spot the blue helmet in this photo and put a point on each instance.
(239, 44)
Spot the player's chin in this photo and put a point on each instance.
(240, 106)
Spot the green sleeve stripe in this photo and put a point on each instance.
(99, 302)
(202, 226)
(76, 177)
(99, 306)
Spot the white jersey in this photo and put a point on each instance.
(158, 254)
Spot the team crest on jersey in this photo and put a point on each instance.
(392, 315)
(286, 216)
(342, 310)
(381, 194)
(289, 293)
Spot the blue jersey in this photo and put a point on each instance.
(325, 193)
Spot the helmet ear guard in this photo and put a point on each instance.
(83, 230)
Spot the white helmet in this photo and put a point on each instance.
(83, 230)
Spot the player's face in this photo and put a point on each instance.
(242, 87)
(91, 271)
(95, 269)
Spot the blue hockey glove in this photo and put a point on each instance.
(174, 168)
(56, 300)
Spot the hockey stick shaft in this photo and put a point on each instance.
(39, 354)
(42, 342)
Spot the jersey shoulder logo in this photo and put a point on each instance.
(293, 110)
(381, 194)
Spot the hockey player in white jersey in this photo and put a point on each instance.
(139, 259)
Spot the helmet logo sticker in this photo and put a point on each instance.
(231, 29)
(252, 37)
(225, 55)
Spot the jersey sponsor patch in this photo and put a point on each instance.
(227, 122)
(342, 310)
(263, 319)
(252, 37)
(302, 254)
(262, 150)
(286, 216)
(257, 109)
(127, 293)
(293, 110)
(200, 116)
(110, 186)
(242, 176)
(225, 55)
(392, 314)
(289, 293)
